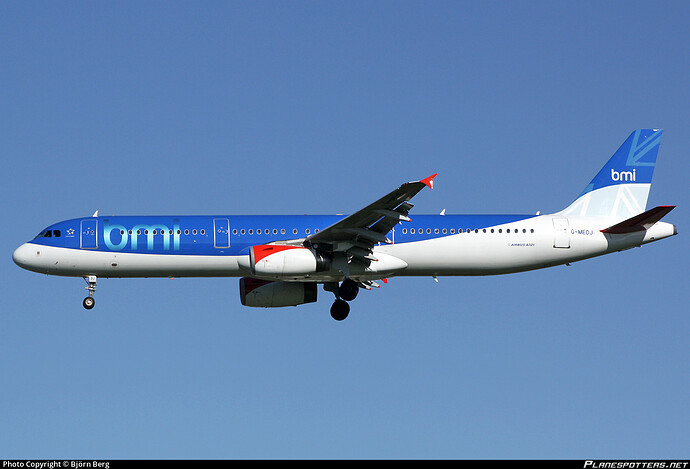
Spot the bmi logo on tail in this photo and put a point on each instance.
(623, 175)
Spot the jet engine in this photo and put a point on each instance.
(279, 260)
(268, 294)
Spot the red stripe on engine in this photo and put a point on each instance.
(266, 250)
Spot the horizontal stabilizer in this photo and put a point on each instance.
(640, 222)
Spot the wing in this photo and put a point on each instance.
(357, 234)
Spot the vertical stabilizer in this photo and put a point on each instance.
(622, 186)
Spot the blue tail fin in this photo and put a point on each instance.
(622, 186)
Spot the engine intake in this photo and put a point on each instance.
(279, 260)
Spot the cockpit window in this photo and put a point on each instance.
(49, 234)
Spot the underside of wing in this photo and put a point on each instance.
(356, 235)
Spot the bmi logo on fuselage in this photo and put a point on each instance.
(116, 236)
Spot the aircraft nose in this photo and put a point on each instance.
(21, 256)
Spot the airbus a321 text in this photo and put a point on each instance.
(282, 259)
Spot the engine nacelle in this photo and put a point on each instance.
(268, 294)
(279, 260)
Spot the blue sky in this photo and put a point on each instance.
(321, 107)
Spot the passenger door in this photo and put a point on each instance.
(89, 236)
(561, 238)
(221, 233)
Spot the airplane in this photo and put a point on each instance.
(281, 259)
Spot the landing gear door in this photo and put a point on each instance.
(89, 238)
(221, 233)
(561, 235)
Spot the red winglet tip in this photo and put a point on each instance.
(385, 280)
(429, 181)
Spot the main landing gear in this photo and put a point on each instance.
(89, 302)
(347, 291)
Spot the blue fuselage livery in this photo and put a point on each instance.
(282, 258)
(232, 235)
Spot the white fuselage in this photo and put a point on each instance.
(533, 243)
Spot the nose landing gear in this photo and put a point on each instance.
(89, 302)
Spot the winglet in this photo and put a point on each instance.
(429, 181)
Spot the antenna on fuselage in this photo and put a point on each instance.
(95, 214)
